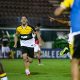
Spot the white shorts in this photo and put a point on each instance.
(71, 35)
(69, 55)
(36, 48)
(5, 49)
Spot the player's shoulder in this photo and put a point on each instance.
(29, 26)
(32, 27)
(67, 3)
(19, 27)
(68, 0)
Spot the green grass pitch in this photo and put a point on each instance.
(52, 69)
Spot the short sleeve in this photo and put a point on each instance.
(17, 30)
(32, 28)
(66, 3)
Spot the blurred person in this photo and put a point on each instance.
(3, 75)
(26, 42)
(37, 47)
(5, 44)
(74, 36)
(66, 49)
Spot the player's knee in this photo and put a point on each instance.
(25, 60)
(31, 61)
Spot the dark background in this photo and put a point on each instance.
(37, 11)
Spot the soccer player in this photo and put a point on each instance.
(37, 47)
(74, 35)
(5, 43)
(26, 42)
(3, 75)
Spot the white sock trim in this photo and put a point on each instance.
(27, 71)
(4, 78)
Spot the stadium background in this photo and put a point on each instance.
(37, 12)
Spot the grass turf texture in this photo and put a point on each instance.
(53, 69)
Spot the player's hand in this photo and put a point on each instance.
(51, 19)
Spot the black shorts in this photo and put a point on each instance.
(76, 46)
(28, 50)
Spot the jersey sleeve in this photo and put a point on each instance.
(32, 28)
(17, 30)
(66, 4)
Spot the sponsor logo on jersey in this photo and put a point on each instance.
(24, 37)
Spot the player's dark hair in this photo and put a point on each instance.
(38, 25)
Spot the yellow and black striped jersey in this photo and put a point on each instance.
(67, 3)
(25, 32)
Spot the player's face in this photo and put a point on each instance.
(24, 20)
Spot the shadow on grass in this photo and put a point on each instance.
(37, 73)
(67, 74)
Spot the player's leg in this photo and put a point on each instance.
(37, 51)
(8, 52)
(26, 63)
(75, 69)
(11, 54)
(25, 59)
(28, 54)
(39, 56)
(74, 50)
(3, 51)
(3, 75)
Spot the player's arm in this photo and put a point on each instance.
(59, 20)
(39, 37)
(62, 21)
(64, 5)
(8, 35)
(15, 39)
